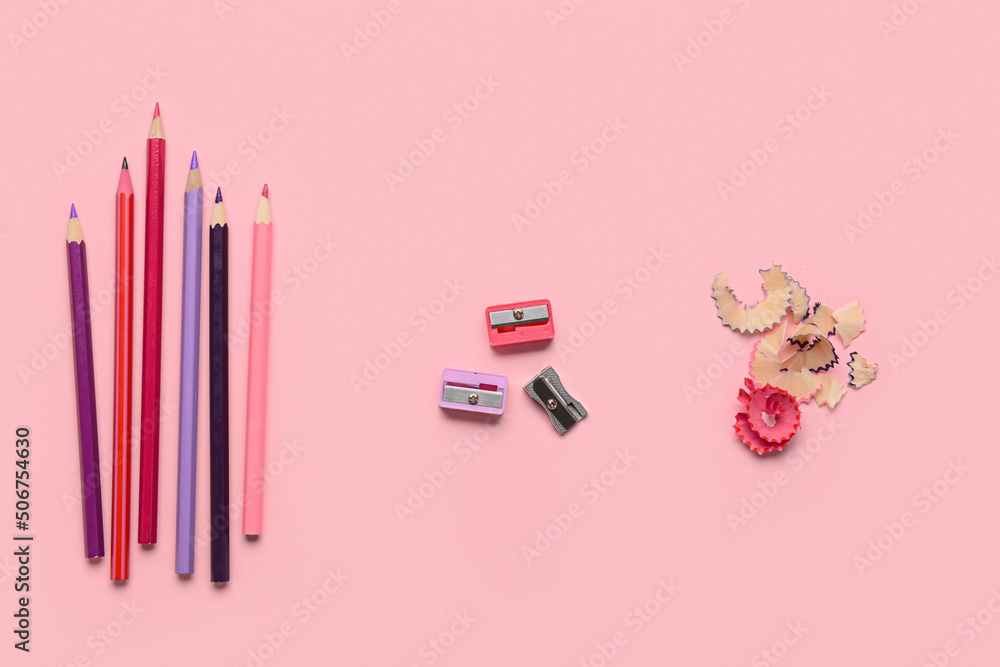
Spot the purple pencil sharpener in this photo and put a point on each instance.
(473, 392)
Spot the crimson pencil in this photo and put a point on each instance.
(86, 400)
(121, 497)
(152, 305)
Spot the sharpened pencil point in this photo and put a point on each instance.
(72, 210)
(194, 177)
(263, 193)
(263, 215)
(156, 126)
(218, 210)
(124, 163)
(194, 159)
(74, 233)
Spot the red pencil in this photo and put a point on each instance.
(149, 433)
(121, 499)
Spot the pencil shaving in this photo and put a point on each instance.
(769, 419)
(766, 368)
(830, 392)
(850, 322)
(761, 316)
(822, 318)
(817, 356)
(798, 303)
(862, 371)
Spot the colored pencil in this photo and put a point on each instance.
(152, 304)
(86, 398)
(260, 294)
(218, 352)
(121, 497)
(187, 449)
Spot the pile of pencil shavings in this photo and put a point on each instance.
(794, 360)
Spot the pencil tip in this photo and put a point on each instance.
(218, 195)
(156, 111)
(124, 163)
(194, 159)
(72, 210)
(263, 193)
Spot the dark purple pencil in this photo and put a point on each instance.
(218, 353)
(86, 402)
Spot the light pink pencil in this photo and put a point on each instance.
(260, 315)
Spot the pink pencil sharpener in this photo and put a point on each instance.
(524, 322)
(473, 392)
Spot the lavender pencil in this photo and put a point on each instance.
(190, 335)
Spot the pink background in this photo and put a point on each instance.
(351, 456)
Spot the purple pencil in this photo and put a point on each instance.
(86, 403)
(190, 336)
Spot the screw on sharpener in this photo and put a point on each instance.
(522, 322)
(473, 392)
(563, 410)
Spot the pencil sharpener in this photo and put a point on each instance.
(473, 392)
(563, 410)
(524, 322)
